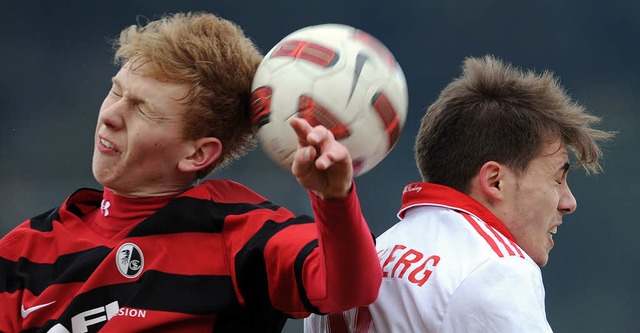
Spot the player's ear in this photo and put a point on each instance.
(491, 180)
(202, 153)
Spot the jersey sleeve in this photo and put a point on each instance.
(502, 295)
(344, 271)
(298, 264)
(10, 286)
(9, 313)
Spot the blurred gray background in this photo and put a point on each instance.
(56, 69)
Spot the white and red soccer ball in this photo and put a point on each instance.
(336, 76)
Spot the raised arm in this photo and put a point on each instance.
(345, 271)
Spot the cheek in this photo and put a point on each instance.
(154, 147)
(535, 209)
(551, 198)
(543, 211)
(543, 207)
(544, 197)
(142, 145)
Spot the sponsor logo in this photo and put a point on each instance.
(80, 323)
(25, 312)
(104, 207)
(361, 59)
(129, 260)
(412, 188)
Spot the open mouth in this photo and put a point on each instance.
(106, 143)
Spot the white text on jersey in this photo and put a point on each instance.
(80, 323)
(399, 260)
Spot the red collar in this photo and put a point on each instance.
(428, 194)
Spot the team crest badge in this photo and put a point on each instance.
(129, 260)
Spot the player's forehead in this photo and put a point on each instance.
(553, 157)
(140, 86)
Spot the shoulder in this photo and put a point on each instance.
(443, 228)
(228, 197)
(507, 267)
(29, 232)
(503, 294)
(463, 245)
(42, 224)
(19, 232)
(224, 190)
(465, 231)
(508, 279)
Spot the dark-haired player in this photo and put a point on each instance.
(493, 152)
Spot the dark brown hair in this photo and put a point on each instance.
(496, 112)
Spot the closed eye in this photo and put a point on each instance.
(564, 172)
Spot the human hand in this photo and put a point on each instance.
(321, 164)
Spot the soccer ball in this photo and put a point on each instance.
(332, 75)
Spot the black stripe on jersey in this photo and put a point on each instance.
(251, 268)
(44, 221)
(75, 210)
(74, 267)
(85, 197)
(300, 259)
(196, 295)
(186, 214)
(249, 322)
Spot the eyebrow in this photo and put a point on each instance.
(132, 96)
(116, 82)
(565, 168)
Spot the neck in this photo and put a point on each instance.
(118, 212)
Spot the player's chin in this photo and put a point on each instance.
(99, 172)
(543, 259)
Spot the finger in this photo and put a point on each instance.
(302, 129)
(319, 136)
(302, 161)
(331, 153)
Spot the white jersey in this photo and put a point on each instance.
(449, 265)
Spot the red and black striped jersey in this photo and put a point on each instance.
(217, 258)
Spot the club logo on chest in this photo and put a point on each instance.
(129, 260)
